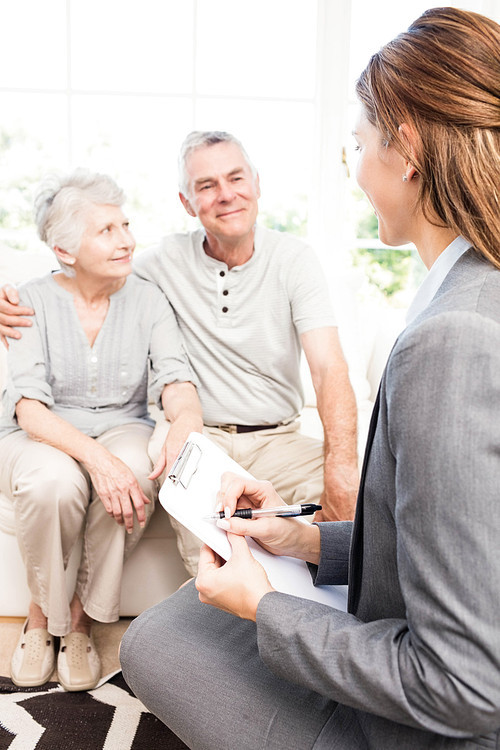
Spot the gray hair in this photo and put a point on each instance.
(201, 139)
(61, 205)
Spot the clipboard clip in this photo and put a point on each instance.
(185, 464)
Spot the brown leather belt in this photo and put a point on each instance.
(237, 428)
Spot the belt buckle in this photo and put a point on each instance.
(230, 428)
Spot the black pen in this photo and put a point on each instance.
(307, 509)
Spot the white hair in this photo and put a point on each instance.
(61, 205)
(201, 139)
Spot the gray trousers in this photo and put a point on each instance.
(198, 669)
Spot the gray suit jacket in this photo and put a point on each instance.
(415, 663)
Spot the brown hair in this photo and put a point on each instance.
(442, 77)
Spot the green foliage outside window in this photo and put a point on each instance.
(390, 270)
(292, 220)
(20, 170)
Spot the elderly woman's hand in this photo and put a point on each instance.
(117, 488)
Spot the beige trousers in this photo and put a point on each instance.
(54, 504)
(291, 461)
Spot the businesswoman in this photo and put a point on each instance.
(415, 661)
(75, 424)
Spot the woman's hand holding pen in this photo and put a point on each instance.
(235, 586)
(280, 536)
(238, 585)
(239, 492)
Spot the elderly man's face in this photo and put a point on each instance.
(223, 193)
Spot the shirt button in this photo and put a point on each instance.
(222, 273)
(225, 309)
(225, 292)
(93, 359)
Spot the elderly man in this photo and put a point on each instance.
(247, 300)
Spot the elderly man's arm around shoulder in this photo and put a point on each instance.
(12, 314)
(337, 409)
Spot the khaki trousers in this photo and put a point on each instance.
(291, 461)
(55, 503)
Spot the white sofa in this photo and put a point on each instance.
(154, 569)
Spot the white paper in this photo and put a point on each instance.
(189, 506)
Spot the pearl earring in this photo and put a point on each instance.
(405, 178)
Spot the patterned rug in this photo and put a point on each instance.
(107, 718)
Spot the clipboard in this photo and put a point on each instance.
(189, 493)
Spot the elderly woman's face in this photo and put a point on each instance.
(107, 244)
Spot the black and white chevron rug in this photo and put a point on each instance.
(107, 718)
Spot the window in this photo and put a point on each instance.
(115, 85)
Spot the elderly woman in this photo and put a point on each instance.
(75, 425)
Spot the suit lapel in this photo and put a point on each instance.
(356, 551)
(470, 263)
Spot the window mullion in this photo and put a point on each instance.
(328, 206)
